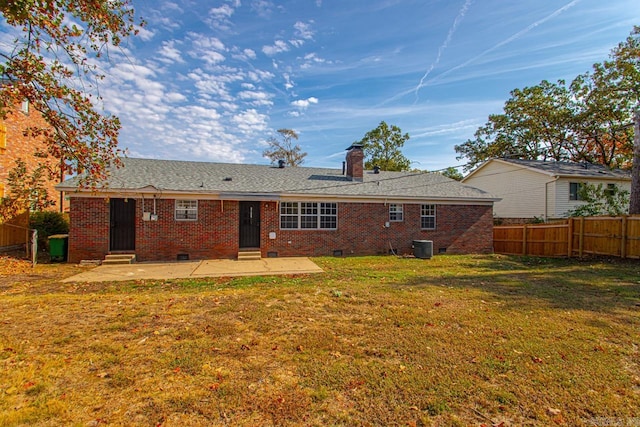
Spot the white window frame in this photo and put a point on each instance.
(186, 210)
(396, 212)
(308, 215)
(427, 211)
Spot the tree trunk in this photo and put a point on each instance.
(634, 199)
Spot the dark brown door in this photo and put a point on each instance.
(249, 224)
(122, 230)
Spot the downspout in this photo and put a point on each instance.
(546, 197)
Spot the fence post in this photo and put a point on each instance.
(570, 238)
(27, 240)
(581, 237)
(623, 240)
(524, 239)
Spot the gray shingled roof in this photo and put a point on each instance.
(241, 179)
(572, 169)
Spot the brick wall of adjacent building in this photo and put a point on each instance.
(215, 234)
(19, 146)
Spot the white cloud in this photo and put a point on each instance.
(223, 11)
(303, 104)
(310, 59)
(209, 86)
(145, 34)
(203, 43)
(278, 46)
(219, 16)
(250, 122)
(168, 53)
(256, 98)
(263, 8)
(303, 30)
(207, 49)
(288, 84)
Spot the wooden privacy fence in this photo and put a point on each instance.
(15, 232)
(580, 236)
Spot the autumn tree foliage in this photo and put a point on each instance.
(588, 119)
(382, 148)
(54, 66)
(285, 149)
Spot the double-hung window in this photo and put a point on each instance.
(186, 210)
(574, 191)
(395, 212)
(428, 217)
(308, 216)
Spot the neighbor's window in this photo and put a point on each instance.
(186, 210)
(395, 212)
(611, 190)
(574, 191)
(308, 215)
(428, 217)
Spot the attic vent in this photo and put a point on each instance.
(281, 164)
(227, 179)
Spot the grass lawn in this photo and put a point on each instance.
(455, 340)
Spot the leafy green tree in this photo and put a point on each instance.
(536, 124)
(601, 200)
(53, 67)
(284, 149)
(452, 173)
(587, 120)
(26, 191)
(382, 148)
(48, 223)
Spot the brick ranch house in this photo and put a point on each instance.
(163, 210)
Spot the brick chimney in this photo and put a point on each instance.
(355, 157)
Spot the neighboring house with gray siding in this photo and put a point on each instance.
(531, 189)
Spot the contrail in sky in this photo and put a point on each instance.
(445, 44)
(508, 40)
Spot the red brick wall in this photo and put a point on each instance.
(213, 235)
(361, 231)
(88, 229)
(23, 147)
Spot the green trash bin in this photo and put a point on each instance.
(58, 244)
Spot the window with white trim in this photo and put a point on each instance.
(308, 216)
(395, 212)
(186, 210)
(428, 217)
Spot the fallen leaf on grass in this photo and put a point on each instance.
(537, 360)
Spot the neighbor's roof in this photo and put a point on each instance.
(564, 169)
(226, 180)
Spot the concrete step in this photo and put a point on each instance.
(119, 259)
(249, 255)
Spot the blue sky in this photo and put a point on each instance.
(212, 80)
